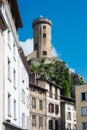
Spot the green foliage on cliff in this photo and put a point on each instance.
(59, 73)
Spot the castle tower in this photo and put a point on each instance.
(42, 37)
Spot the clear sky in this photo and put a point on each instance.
(69, 30)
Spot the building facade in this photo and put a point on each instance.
(37, 109)
(14, 90)
(53, 114)
(68, 114)
(81, 106)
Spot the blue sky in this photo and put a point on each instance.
(69, 31)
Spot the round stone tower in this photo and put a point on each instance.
(42, 37)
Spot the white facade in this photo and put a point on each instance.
(14, 110)
(68, 115)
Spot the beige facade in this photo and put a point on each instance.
(81, 106)
(37, 101)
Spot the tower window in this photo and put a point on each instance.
(44, 52)
(44, 35)
(35, 46)
(44, 28)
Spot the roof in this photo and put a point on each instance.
(40, 87)
(11, 125)
(3, 25)
(16, 12)
(66, 99)
(50, 82)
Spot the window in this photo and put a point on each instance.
(68, 106)
(23, 120)
(69, 116)
(74, 116)
(41, 104)
(9, 104)
(27, 122)
(84, 126)
(9, 38)
(14, 109)
(9, 69)
(14, 49)
(56, 125)
(27, 102)
(44, 35)
(84, 96)
(8, 35)
(33, 103)
(44, 28)
(27, 84)
(23, 75)
(40, 121)
(56, 94)
(50, 91)
(34, 120)
(35, 47)
(40, 91)
(51, 107)
(23, 96)
(14, 78)
(69, 127)
(44, 52)
(56, 109)
(32, 88)
(74, 127)
(50, 124)
(84, 111)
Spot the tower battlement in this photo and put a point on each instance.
(41, 20)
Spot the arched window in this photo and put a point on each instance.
(44, 35)
(44, 27)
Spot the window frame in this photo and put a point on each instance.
(40, 104)
(33, 120)
(9, 104)
(40, 121)
(33, 102)
(44, 35)
(83, 110)
(84, 96)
